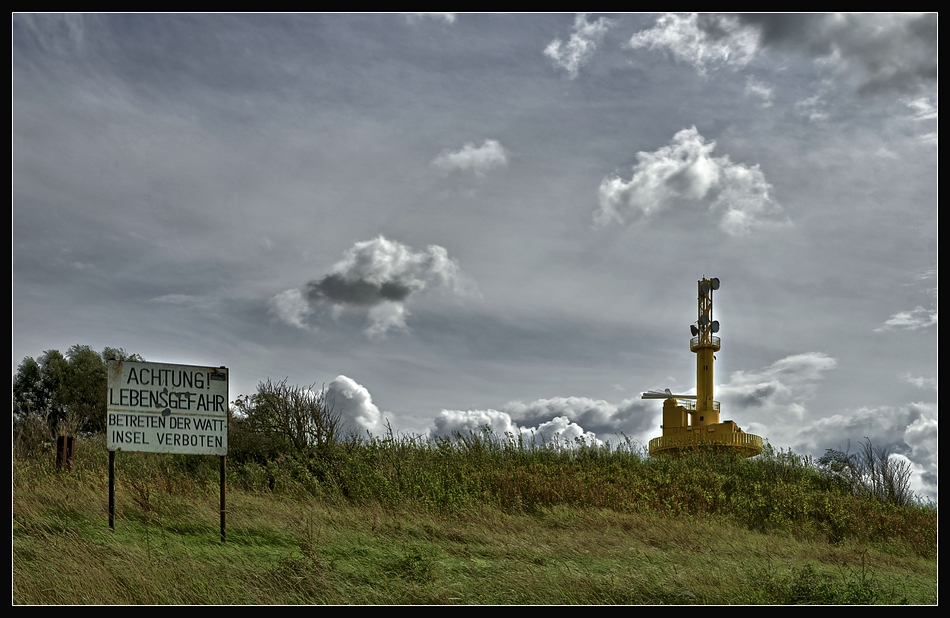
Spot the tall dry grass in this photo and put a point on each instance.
(473, 520)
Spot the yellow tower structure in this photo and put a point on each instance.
(694, 420)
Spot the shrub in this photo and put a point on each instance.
(871, 472)
(282, 419)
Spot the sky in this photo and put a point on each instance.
(453, 220)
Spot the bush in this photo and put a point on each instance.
(871, 472)
(282, 419)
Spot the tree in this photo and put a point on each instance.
(37, 386)
(281, 418)
(119, 354)
(885, 478)
(67, 389)
(872, 472)
(28, 394)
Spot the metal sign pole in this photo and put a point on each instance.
(224, 536)
(112, 490)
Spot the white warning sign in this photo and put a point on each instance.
(159, 408)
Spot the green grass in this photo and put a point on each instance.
(478, 521)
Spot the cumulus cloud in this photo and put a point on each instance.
(630, 417)
(556, 430)
(685, 171)
(580, 47)
(561, 419)
(376, 276)
(914, 319)
(877, 52)
(701, 40)
(480, 159)
(355, 406)
(450, 422)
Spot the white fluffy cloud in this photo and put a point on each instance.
(450, 422)
(478, 159)
(559, 429)
(686, 171)
(376, 276)
(910, 320)
(631, 417)
(580, 47)
(703, 41)
(355, 406)
(562, 419)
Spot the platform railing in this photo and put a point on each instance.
(690, 404)
(747, 442)
(714, 342)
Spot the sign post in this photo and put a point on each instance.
(162, 408)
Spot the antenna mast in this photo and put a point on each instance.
(693, 420)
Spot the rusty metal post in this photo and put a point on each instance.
(64, 453)
(224, 536)
(112, 490)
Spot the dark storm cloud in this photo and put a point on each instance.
(885, 52)
(378, 275)
(876, 52)
(759, 394)
(337, 289)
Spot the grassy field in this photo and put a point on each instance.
(476, 521)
